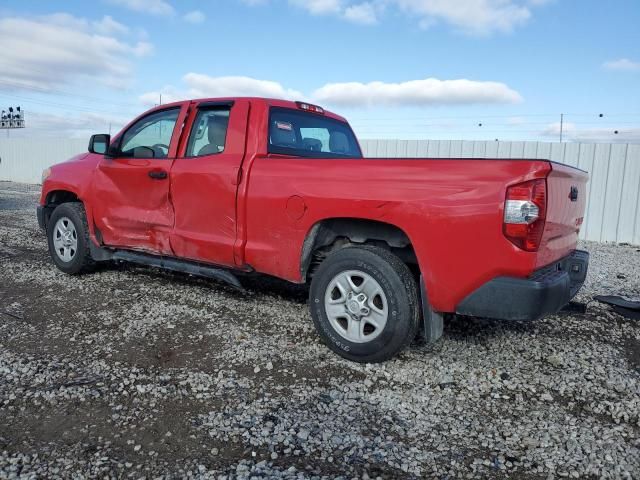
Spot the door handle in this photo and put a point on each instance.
(158, 174)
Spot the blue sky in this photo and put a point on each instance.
(395, 68)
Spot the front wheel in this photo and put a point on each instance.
(364, 303)
(68, 238)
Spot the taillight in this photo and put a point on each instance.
(525, 211)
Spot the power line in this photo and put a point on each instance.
(397, 125)
(35, 88)
(60, 105)
(515, 115)
(30, 86)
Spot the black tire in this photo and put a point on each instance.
(401, 292)
(81, 261)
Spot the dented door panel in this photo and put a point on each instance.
(130, 195)
(203, 191)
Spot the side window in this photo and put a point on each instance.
(209, 132)
(150, 137)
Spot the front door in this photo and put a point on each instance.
(132, 208)
(204, 183)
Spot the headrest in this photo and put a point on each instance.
(217, 129)
(282, 134)
(338, 142)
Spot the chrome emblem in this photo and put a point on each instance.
(573, 194)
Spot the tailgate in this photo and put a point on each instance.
(566, 202)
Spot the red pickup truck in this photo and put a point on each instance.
(388, 246)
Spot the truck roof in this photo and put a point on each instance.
(274, 102)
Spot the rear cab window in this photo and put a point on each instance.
(305, 134)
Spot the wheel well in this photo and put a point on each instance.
(329, 235)
(58, 197)
(55, 198)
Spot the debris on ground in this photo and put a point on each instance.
(133, 372)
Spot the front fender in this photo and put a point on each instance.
(73, 177)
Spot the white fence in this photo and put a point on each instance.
(613, 192)
(613, 204)
(23, 159)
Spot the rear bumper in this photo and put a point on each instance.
(543, 293)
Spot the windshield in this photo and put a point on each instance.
(292, 132)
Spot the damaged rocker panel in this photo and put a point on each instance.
(167, 263)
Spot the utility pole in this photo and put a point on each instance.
(561, 125)
(160, 99)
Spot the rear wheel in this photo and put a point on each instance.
(364, 303)
(68, 238)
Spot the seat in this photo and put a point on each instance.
(338, 142)
(217, 133)
(282, 135)
(312, 144)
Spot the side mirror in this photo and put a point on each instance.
(99, 143)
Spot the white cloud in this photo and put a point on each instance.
(168, 94)
(154, 7)
(199, 85)
(204, 85)
(196, 16)
(516, 121)
(430, 91)
(364, 13)
(69, 125)
(622, 64)
(571, 132)
(44, 52)
(108, 26)
(475, 17)
(553, 129)
(354, 94)
(319, 7)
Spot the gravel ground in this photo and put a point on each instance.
(132, 372)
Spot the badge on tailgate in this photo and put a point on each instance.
(573, 194)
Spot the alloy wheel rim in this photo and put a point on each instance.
(65, 239)
(356, 306)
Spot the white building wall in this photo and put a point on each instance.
(23, 159)
(613, 203)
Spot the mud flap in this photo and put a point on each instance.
(432, 322)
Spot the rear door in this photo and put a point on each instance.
(204, 182)
(132, 208)
(566, 203)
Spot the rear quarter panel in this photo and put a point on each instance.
(450, 209)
